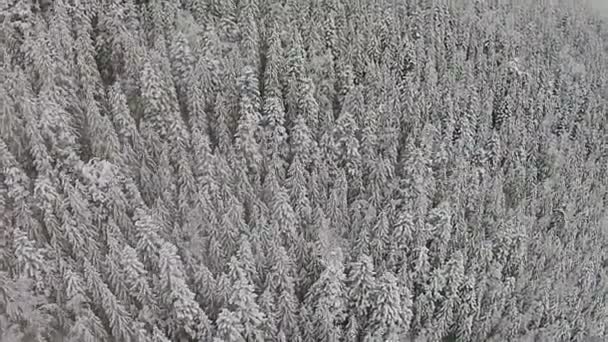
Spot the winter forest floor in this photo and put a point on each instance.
(303, 171)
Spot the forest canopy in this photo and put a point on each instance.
(288, 170)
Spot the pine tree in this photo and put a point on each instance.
(248, 13)
(297, 186)
(283, 218)
(275, 133)
(369, 152)
(275, 59)
(361, 284)
(201, 146)
(337, 204)
(401, 238)
(136, 277)
(295, 69)
(386, 321)
(267, 304)
(283, 283)
(441, 225)
(418, 181)
(185, 316)
(301, 141)
(229, 327)
(128, 136)
(247, 135)
(326, 300)
(347, 130)
(309, 106)
(154, 97)
(182, 63)
(243, 302)
(380, 239)
(407, 299)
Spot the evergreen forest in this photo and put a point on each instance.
(303, 171)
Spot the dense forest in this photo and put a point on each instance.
(290, 170)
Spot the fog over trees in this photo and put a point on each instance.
(303, 171)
